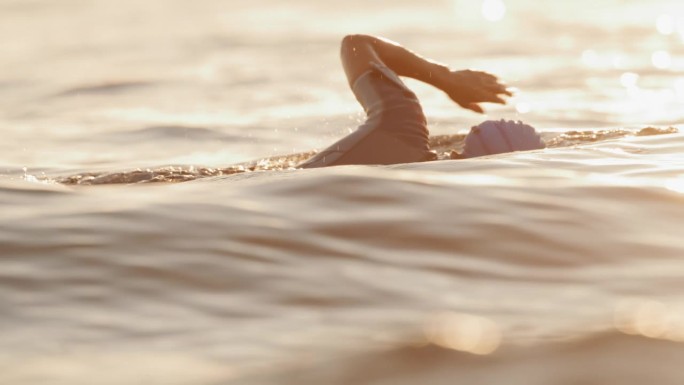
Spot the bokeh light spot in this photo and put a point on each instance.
(661, 59)
(493, 10)
(463, 332)
(665, 24)
(648, 318)
(629, 79)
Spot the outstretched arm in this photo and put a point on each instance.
(467, 88)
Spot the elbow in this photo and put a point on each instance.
(355, 38)
(350, 42)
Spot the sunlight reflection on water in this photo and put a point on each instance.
(675, 184)
(264, 267)
(463, 332)
(649, 318)
(615, 63)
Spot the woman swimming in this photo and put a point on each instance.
(395, 130)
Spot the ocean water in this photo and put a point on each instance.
(152, 229)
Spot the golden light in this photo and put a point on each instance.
(463, 332)
(493, 10)
(640, 317)
(648, 318)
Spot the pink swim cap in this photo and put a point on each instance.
(496, 137)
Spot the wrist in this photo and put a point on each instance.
(439, 74)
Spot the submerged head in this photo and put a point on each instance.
(496, 137)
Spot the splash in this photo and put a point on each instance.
(177, 174)
(572, 138)
(442, 144)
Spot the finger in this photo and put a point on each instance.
(486, 96)
(497, 88)
(492, 82)
(486, 77)
(493, 99)
(500, 89)
(475, 107)
(498, 100)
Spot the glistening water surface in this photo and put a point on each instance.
(558, 266)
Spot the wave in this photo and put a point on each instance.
(250, 267)
(607, 358)
(165, 132)
(610, 357)
(105, 88)
(443, 144)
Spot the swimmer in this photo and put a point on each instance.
(395, 130)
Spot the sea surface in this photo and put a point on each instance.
(154, 231)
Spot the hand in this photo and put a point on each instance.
(469, 88)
